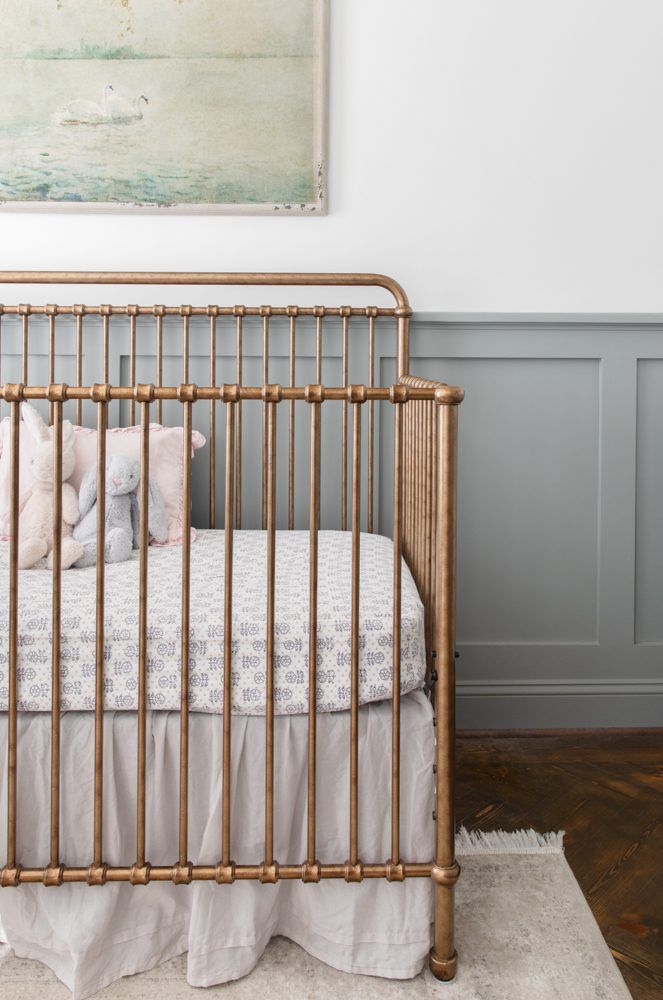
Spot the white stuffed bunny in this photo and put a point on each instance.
(36, 521)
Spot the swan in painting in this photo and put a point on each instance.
(82, 112)
(121, 110)
(113, 110)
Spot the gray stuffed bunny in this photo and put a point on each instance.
(122, 511)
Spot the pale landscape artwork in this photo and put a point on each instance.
(214, 105)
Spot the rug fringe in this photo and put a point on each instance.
(501, 842)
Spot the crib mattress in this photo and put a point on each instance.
(207, 627)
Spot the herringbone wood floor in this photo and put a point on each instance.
(605, 788)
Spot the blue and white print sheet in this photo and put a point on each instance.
(249, 628)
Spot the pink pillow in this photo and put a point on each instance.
(165, 465)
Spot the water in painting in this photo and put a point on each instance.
(161, 102)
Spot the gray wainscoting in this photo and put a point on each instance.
(560, 583)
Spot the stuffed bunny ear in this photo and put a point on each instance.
(156, 514)
(87, 495)
(68, 434)
(38, 429)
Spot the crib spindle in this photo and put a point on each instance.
(292, 313)
(353, 862)
(106, 312)
(100, 393)
(185, 312)
(396, 633)
(270, 395)
(345, 313)
(239, 312)
(265, 312)
(228, 629)
(144, 395)
(79, 313)
(318, 312)
(159, 312)
(56, 400)
(133, 312)
(12, 748)
(315, 398)
(371, 312)
(24, 313)
(212, 312)
(51, 312)
(187, 394)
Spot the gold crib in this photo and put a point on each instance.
(424, 533)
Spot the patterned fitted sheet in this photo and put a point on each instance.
(207, 630)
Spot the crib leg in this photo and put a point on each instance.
(442, 959)
(445, 870)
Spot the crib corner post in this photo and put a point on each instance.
(445, 870)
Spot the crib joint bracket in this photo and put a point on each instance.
(446, 876)
(140, 874)
(53, 875)
(395, 872)
(144, 393)
(398, 393)
(10, 877)
(314, 393)
(311, 871)
(230, 392)
(272, 393)
(354, 873)
(356, 394)
(187, 393)
(449, 395)
(57, 392)
(182, 874)
(100, 392)
(96, 874)
(269, 874)
(225, 874)
(13, 392)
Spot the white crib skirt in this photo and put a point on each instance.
(92, 936)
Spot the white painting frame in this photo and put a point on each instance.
(314, 205)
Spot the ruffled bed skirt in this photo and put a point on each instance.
(92, 936)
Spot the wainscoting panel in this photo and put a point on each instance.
(649, 505)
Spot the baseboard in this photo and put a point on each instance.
(589, 709)
(621, 736)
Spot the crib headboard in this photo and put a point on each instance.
(245, 344)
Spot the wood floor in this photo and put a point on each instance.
(605, 788)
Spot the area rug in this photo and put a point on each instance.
(524, 932)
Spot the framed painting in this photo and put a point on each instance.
(168, 105)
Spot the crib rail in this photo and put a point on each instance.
(424, 527)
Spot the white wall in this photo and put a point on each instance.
(491, 155)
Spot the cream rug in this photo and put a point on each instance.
(524, 932)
